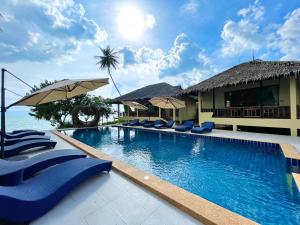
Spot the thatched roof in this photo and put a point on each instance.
(150, 91)
(247, 72)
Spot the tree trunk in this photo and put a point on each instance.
(113, 81)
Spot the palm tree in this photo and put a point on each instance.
(108, 60)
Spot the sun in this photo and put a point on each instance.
(131, 22)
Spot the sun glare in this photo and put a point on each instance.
(131, 22)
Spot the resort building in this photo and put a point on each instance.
(143, 95)
(260, 96)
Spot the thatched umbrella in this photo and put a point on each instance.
(135, 105)
(168, 103)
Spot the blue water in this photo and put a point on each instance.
(247, 179)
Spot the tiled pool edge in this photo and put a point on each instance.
(199, 208)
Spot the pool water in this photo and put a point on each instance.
(248, 179)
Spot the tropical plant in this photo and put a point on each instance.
(108, 60)
(58, 112)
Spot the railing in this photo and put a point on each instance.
(298, 111)
(274, 112)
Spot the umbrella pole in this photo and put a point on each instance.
(174, 114)
(3, 109)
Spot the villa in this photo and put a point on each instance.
(252, 96)
(257, 96)
(144, 94)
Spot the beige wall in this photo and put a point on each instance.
(284, 99)
(189, 112)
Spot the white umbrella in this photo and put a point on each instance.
(135, 105)
(61, 90)
(168, 103)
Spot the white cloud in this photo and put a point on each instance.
(191, 7)
(288, 39)
(245, 34)
(149, 22)
(33, 37)
(55, 30)
(183, 64)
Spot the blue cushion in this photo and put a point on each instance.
(32, 199)
(200, 130)
(15, 149)
(14, 172)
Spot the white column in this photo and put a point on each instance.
(199, 106)
(293, 104)
(159, 112)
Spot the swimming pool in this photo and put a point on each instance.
(247, 178)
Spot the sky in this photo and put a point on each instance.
(181, 42)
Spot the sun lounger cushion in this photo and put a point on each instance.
(134, 123)
(35, 197)
(187, 125)
(205, 128)
(14, 172)
(15, 149)
(23, 134)
(169, 124)
(26, 138)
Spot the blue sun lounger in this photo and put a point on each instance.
(169, 124)
(152, 124)
(143, 122)
(32, 199)
(205, 128)
(23, 134)
(15, 149)
(15, 172)
(26, 138)
(134, 123)
(126, 123)
(19, 131)
(187, 125)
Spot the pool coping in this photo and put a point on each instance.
(201, 209)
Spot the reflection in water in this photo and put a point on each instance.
(92, 136)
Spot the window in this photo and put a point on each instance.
(268, 96)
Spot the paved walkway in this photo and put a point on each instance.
(111, 199)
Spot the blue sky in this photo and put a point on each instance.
(181, 42)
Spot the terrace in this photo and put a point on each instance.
(270, 112)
